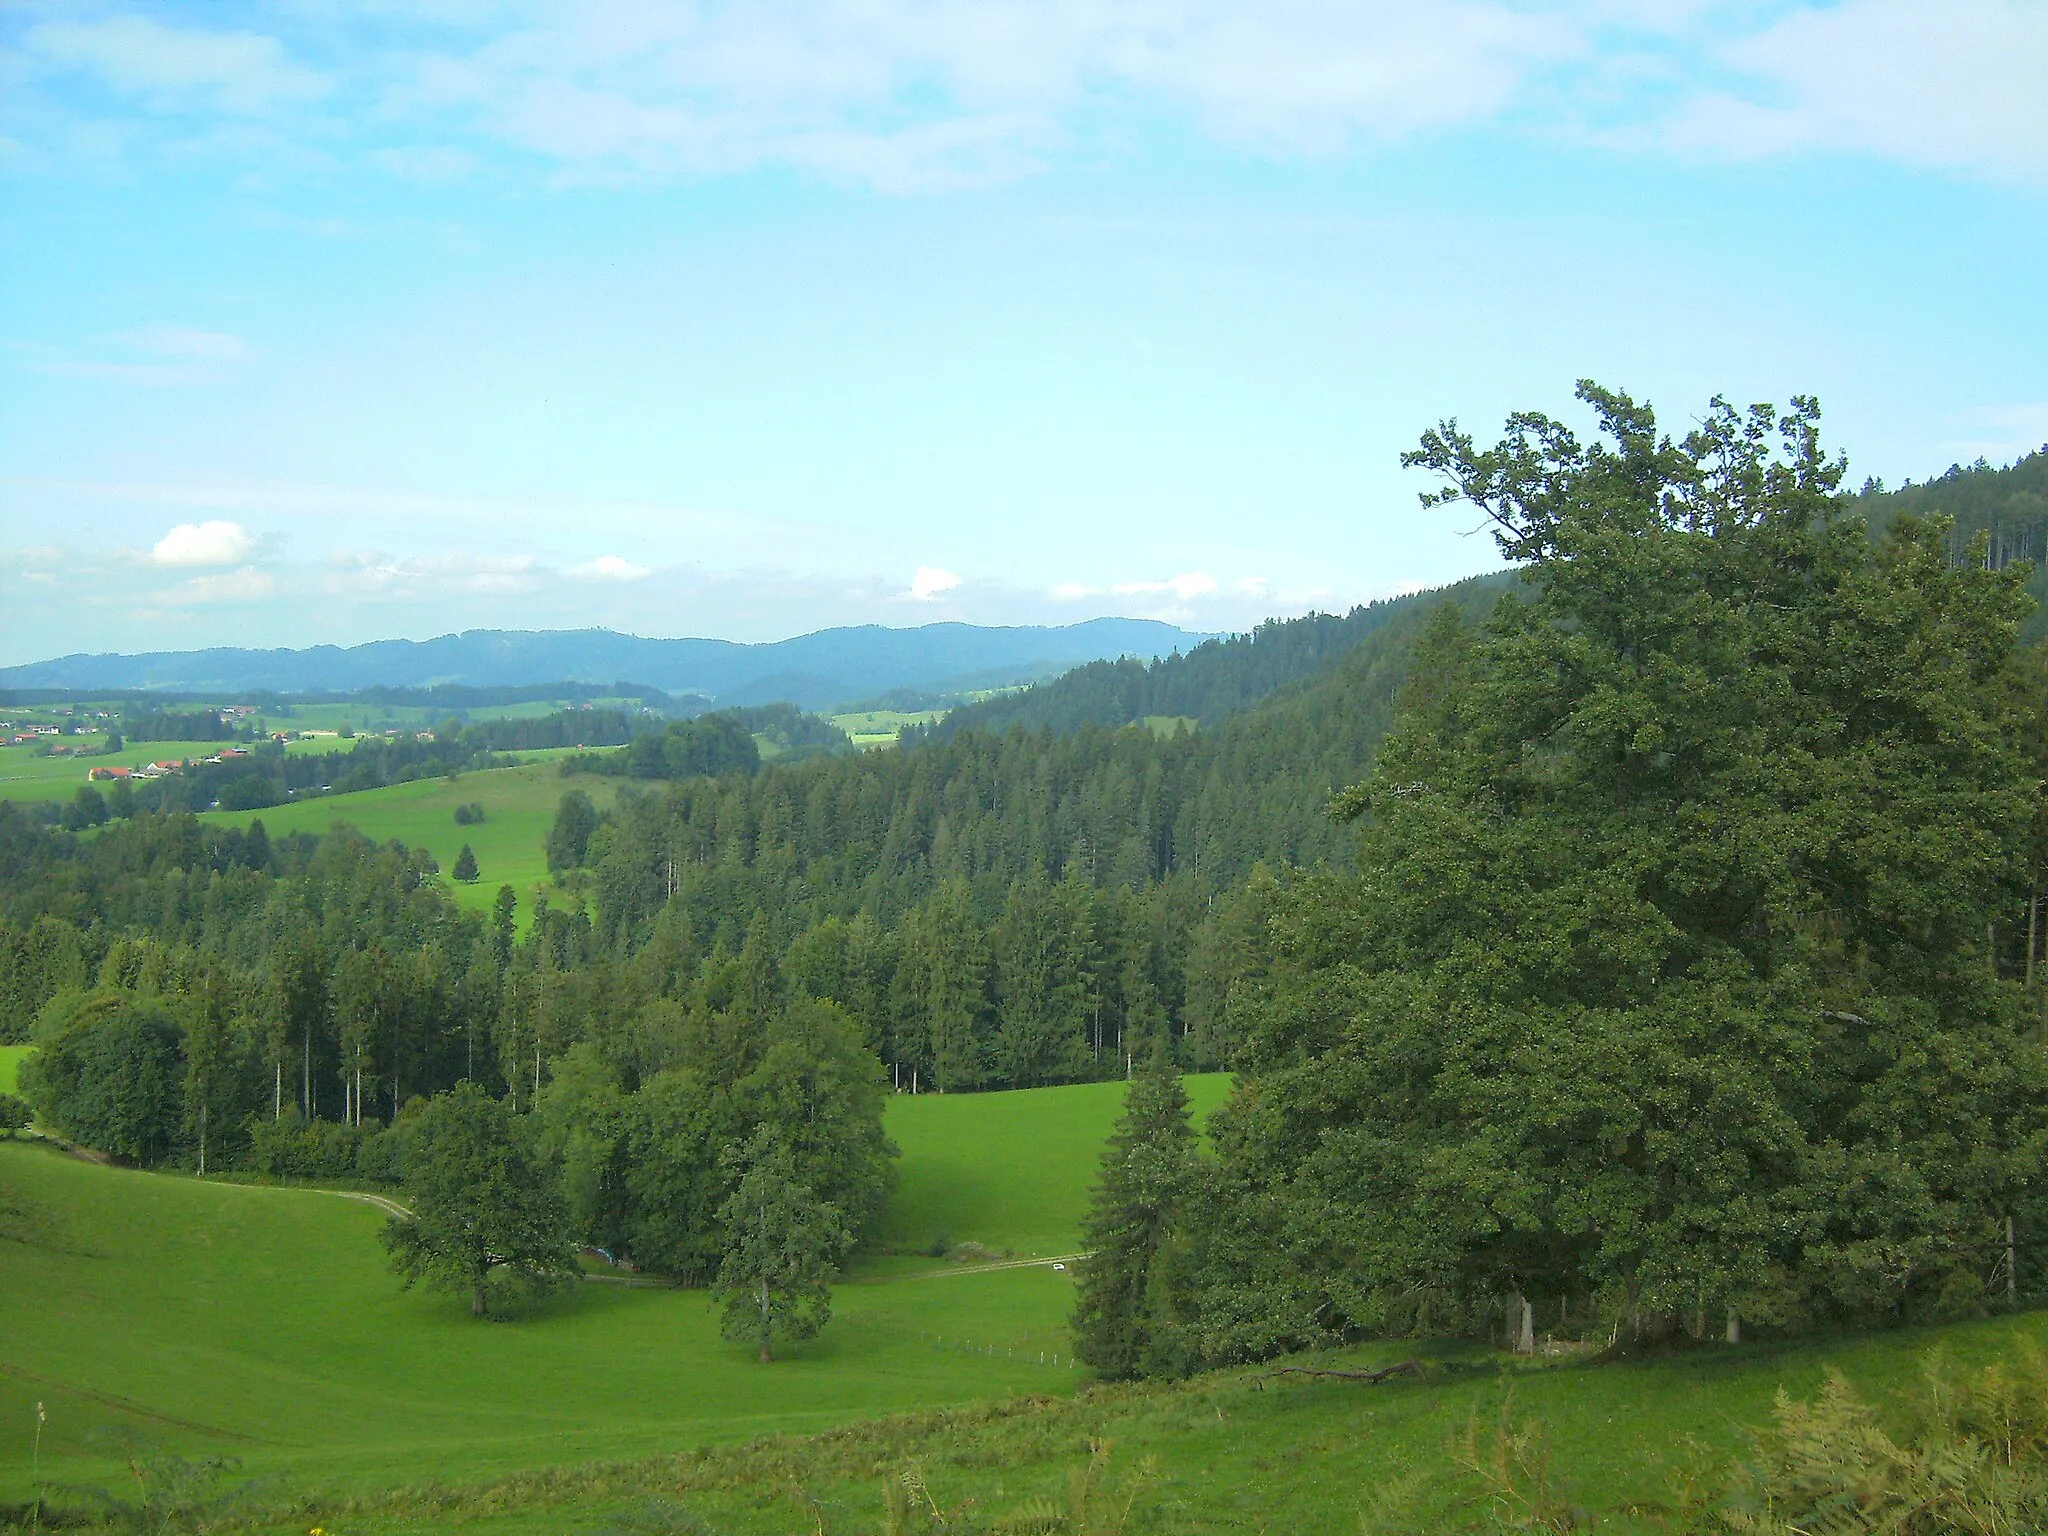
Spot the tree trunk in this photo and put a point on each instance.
(1525, 1328)
(1734, 1334)
(202, 1147)
(767, 1358)
(2012, 1266)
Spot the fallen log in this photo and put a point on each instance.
(1370, 1378)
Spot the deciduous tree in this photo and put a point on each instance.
(480, 1202)
(782, 1245)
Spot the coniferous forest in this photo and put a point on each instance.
(1648, 932)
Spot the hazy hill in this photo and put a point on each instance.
(812, 671)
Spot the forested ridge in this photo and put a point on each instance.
(1626, 912)
(2007, 506)
(1216, 679)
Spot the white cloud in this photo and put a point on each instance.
(245, 585)
(1186, 586)
(186, 344)
(610, 568)
(215, 542)
(930, 582)
(1074, 592)
(1960, 85)
(171, 67)
(435, 162)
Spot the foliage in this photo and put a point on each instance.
(15, 1113)
(479, 1202)
(1664, 988)
(168, 1494)
(1123, 1322)
(569, 839)
(1976, 1462)
(782, 1244)
(465, 868)
(710, 745)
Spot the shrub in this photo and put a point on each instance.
(108, 1073)
(14, 1113)
(291, 1149)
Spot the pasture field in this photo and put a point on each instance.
(10, 1066)
(26, 776)
(261, 1324)
(272, 1330)
(878, 727)
(510, 842)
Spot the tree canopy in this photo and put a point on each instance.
(1670, 980)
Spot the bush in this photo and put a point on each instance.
(292, 1149)
(108, 1073)
(470, 814)
(14, 1113)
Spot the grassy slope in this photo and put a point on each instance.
(510, 843)
(274, 1332)
(1007, 1170)
(10, 1066)
(262, 1324)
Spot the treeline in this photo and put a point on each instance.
(210, 997)
(153, 723)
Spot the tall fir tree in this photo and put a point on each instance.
(1147, 1169)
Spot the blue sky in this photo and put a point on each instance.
(327, 321)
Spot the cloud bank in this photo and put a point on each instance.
(914, 95)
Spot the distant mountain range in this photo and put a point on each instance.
(813, 671)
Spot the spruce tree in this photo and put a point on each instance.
(1146, 1171)
(465, 865)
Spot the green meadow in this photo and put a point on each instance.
(10, 1066)
(261, 1324)
(26, 776)
(510, 842)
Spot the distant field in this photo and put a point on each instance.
(10, 1066)
(510, 842)
(878, 727)
(25, 776)
(1170, 725)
